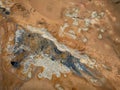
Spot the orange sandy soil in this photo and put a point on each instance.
(49, 14)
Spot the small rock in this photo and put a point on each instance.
(29, 74)
(102, 14)
(72, 34)
(84, 39)
(87, 22)
(79, 30)
(94, 14)
(75, 22)
(100, 36)
(102, 30)
(58, 87)
(85, 29)
(65, 75)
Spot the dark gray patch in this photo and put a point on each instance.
(15, 64)
(48, 47)
(57, 51)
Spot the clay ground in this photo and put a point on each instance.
(49, 14)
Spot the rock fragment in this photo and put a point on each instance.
(100, 36)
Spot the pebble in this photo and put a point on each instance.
(79, 30)
(100, 36)
(72, 34)
(102, 14)
(116, 39)
(102, 30)
(65, 75)
(84, 39)
(85, 29)
(29, 74)
(58, 87)
(75, 22)
(87, 22)
(94, 14)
